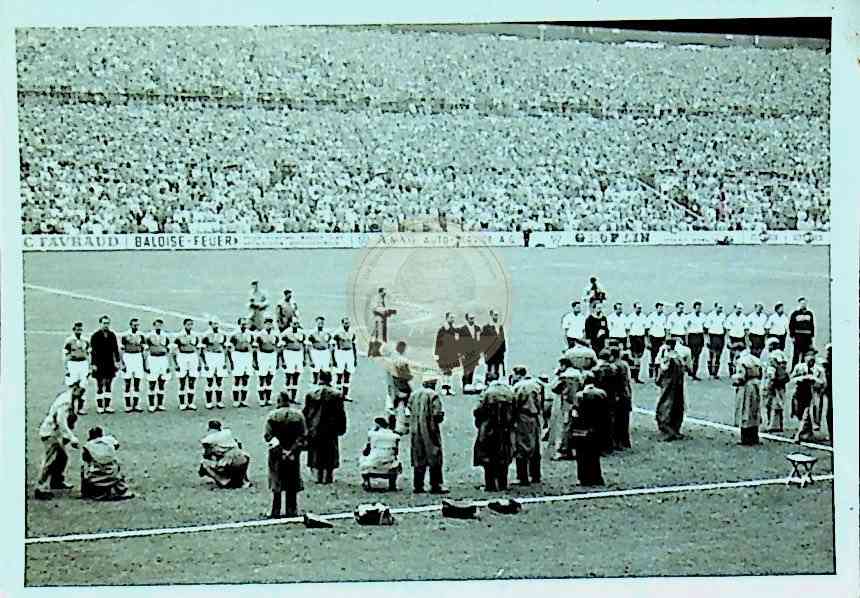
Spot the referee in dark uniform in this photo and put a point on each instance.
(104, 361)
(801, 328)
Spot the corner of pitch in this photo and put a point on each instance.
(405, 288)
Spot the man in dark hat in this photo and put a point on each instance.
(286, 435)
(528, 395)
(426, 416)
(469, 349)
(494, 419)
(670, 406)
(446, 352)
(326, 421)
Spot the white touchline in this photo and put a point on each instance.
(727, 428)
(423, 509)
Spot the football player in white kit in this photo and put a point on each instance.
(76, 355)
(265, 360)
(239, 356)
(187, 363)
(292, 343)
(131, 346)
(319, 342)
(345, 355)
(156, 363)
(212, 360)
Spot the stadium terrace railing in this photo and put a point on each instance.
(227, 241)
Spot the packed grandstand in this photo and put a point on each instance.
(284, 129)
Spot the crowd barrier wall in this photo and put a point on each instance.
(222, 241)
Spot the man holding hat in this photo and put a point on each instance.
(55, 433)
(670, 405)
(801, 328)
(528, 399)
(326, 422)
(426, 437)
(810, 380)
(286, 435)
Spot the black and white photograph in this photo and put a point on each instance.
(388, 302)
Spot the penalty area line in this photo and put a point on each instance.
(422, 509)
(727, 428)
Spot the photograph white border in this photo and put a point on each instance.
(845, 265)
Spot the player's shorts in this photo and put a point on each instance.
(133, 366)
(241, 363)
(189, 364)
(320, 359)
(267, 363)
(344, 360)
(294, 361)
(637, 345)
(217, 363)
(77, 371)
(158, 368)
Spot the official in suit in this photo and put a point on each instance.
(469, 348)
(493, 346)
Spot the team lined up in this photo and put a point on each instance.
(214, 355)
(718, 329)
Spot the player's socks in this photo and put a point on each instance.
(127, 400)
(346, 391)
(316, 377)
(108, 408)
(219, 398)
(244, 401)
(99, 407)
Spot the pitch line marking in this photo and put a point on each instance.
(727, 428)
(421, 509)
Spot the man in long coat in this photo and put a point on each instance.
(747, 381)
(624, 399)
(470, 349)
(605, 376)
(326, 422)
(426, 437)
(101, 475)
(670, 405)
(494, 419)
(776, 377)
(586, 420)
(528, 394)
(55, 433)
(286, 435)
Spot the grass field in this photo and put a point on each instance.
(706, 533)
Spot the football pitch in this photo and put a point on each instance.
(701, 528)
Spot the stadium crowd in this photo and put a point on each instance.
(327, 130)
